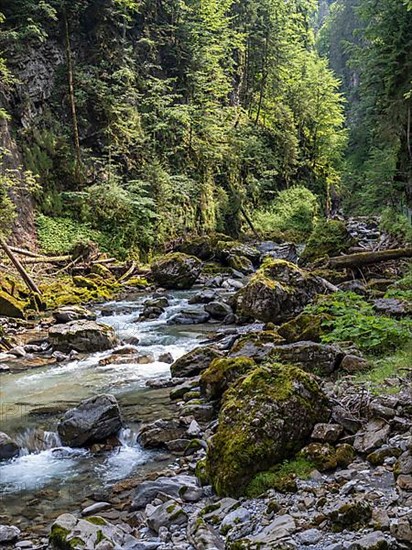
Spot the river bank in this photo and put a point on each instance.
(176, 361)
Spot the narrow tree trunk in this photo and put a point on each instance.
(72, 97)
(263, 83)
(24, 275)
(249, 222)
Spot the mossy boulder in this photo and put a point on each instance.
(257, 345)
(194, 362)
(306, 326)
(326, 457)
(176, 271)
(202, 247)
(222, 373)
(278, 291)
(329, 238)
(10, 306)
(265, 418)
(225, 250)
(241, 264)
(82, 336)
(319, 359)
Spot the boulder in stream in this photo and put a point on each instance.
(82, 336)
(67, 314)
(8, 447)
(176, 271)
(94, 420)
(194, 362)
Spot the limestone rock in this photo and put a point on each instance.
(82, 336)
(94, 420)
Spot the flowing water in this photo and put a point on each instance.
(47, 478)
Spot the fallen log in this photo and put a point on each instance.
(368, 258)
(23, 273)
(48, 260)
(25, 252)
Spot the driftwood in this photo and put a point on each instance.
(128, 273)
(368, 258)
(24, 275)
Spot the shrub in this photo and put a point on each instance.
(329, 238)
(397, 225)
(354, 319)
(294, 210)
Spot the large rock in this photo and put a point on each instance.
(194, 362)
(8, 534)
(222, 373)
(8, 447)
(82, 336)
(67, 314)
(176, 487)
(278, 291)
(319, 359)
(202, 536)
(265, 418)
(160, 432)
(93, 420)
(256, 345)
(165, 515)
(189, 317)
(372, 436)
(69, 532)
(218, 310)
(10, 307)
(176, 271)
(226, 250)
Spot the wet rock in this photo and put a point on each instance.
(202, 536)
(150, 313)
(8, 447)
(166, 358)
(94, 420)
(218, 310)
(373, 435)
(179, 391)
(67, 314)
(18, 351)
(8, 534)
(166, 515)
(127, 359)
(279, 290)
(82, 336)
(328, 433)
(157, 302)
(189, 317)
(265, 418)
(194, 362)
(176, 271)
(256, 345)
(203, 297)
(173, 487)
(160, 432)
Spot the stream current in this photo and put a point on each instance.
(47, 478)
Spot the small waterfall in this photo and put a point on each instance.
(127, 437)
(34, 440)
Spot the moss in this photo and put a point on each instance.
(221, 373)
(326, 457)
(240, 263)
(96, 520)
(64, 291)
(201, 472)
(352, 516)
(377, 458)
(256, 339)
(304, 327)
(329, 238)
(58, 539)
(264, 419)
(138, 282)
(102, 271)
(11, 307)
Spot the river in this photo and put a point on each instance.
(47, 479)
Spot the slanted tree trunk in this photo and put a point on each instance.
(24, 275)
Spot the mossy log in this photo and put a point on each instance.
(369, 258)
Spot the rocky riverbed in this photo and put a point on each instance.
(208, 418)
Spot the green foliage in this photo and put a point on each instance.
(353, 320)
(328, 238)
(293, 210)
(281, 477)
(59, 235)
(397, 225)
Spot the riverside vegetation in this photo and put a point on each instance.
(198, 371)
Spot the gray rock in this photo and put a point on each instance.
(202, 536)
(372, 541)
(189, 317)
(160, 432)
(8, 447)
(234, 518)
(392, 307)
(401, 528)
(311, 536)
(194, 429)
(166, 515)
(8, 534)
(319, 359)
(82, 336)
(194, 362)
(147, 491)
(94, 420)
(176, 271)
(218, 310)
(202, 413)
(327, 432)
(372, 436)
(166, 358)
(203, 297)
(353, 364)
(279, 529)
(67, 314)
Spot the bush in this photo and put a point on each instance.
(354, 319)
(329, 238)
(59, 235)
(397, 225)
(293, 211)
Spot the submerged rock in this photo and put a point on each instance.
(279, 290)
(176, 271)
(265, 418)
(82, 336)
(8, 447)
(94, 420)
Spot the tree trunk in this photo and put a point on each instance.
(24, 275)
(368, 258)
